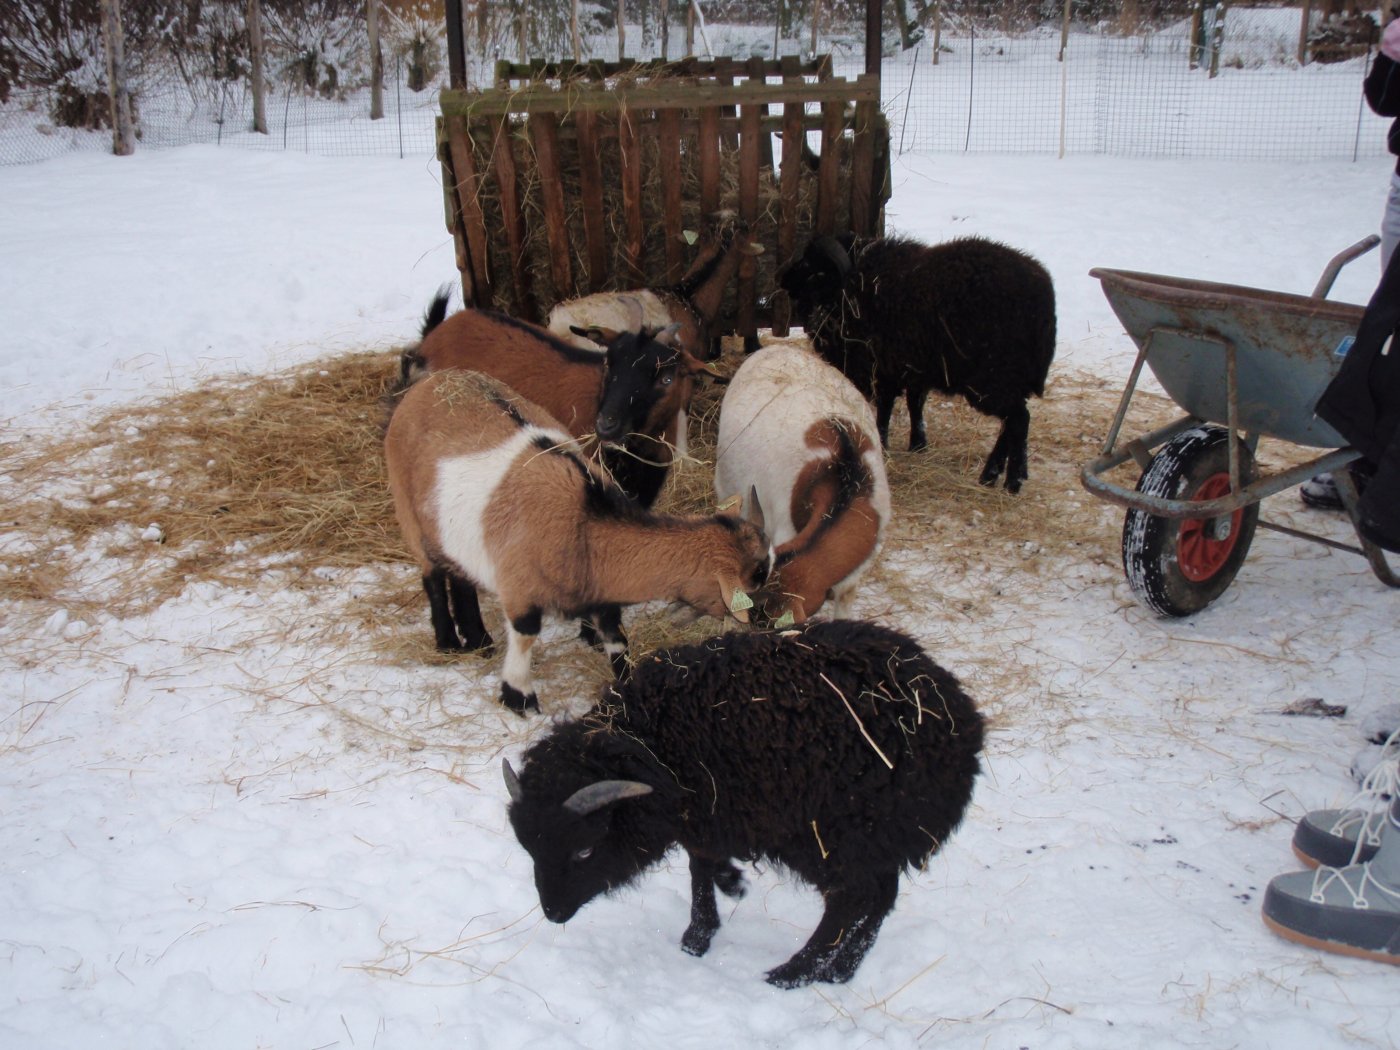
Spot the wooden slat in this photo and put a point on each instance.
(468, 184)
(544, 132)
(789, 186)
(863, 170)
(669, 131)
(709, 160)
(513, 218)
(536, 98)
(833, 119)
(591, 193)
(629, 146)
(757, 69)
(749, 152)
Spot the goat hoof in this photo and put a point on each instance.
(521, 703)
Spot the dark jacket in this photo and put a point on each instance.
(1382, 88)
(1363, 404)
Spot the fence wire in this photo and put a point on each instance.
(963, 90)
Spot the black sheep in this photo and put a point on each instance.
(970, 317)
(839, 750)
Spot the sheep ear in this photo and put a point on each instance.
(512, 781)
(595, 796)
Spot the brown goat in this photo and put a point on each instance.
(627, 404)
(491, 492)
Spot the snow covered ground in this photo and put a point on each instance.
(224, 827)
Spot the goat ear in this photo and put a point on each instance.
(755, 515)
(668, 336)
(635, 315)
(594, 334)
(595, 796)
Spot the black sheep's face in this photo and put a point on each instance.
(811, 280)
(645, 384)
(576, 857)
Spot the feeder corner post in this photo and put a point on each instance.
(873, 14)
(456, 45)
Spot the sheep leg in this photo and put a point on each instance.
(444, 633)
(705, 876)
(914, 398)
(517, 687)
(884, 409)
(466, 611)
(1009, 452)
(847, 930)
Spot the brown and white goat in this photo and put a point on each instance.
(796, 432)
(693, 303)
(491, 492)
(627, 403)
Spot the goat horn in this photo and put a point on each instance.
(755, 516)
(839, 257)
(512, 781)
(594, 797)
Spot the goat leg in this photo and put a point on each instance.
(517, 687)
(444, 633)
(466, 612)
(914, 398)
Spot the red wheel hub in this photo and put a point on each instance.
(1199, 555)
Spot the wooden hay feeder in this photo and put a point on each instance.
(571, 179)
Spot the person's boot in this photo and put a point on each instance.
(1351, 910)
(1352, 833)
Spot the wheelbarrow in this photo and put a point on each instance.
(1245, 364)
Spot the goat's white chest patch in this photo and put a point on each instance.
(464, 489)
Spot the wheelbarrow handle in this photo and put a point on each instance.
(1360, 248)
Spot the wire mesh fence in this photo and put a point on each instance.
(962, 88)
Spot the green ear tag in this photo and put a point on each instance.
(690, 237)
(740, 601)
(784, 620)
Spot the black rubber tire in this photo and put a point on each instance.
(1153, 546)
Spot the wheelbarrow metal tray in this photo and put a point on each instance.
(1287, 349)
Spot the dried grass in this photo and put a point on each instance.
(287, 470)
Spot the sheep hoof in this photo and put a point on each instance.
(696, 940)
(731, 882)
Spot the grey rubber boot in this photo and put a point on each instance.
(1351, 910)
(1351, 833)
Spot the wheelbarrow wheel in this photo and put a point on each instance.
(1178, 567)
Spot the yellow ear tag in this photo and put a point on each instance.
(690, 237)
(740, 601)
(784, 620)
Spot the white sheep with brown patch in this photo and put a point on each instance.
(796, 432)
(491, 492)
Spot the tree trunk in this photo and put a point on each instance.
(123, 129)
(664, 14)
(621, 29)
(573, 31)
(255, 76)
(376, 62)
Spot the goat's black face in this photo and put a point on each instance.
(639, 374)
(816, 276)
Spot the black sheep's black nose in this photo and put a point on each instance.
(609, 427)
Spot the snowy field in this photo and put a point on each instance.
(226, 827)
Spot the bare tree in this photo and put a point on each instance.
(376, 62)
(123, 129)
(255, 68)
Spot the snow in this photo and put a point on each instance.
(226, 825)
